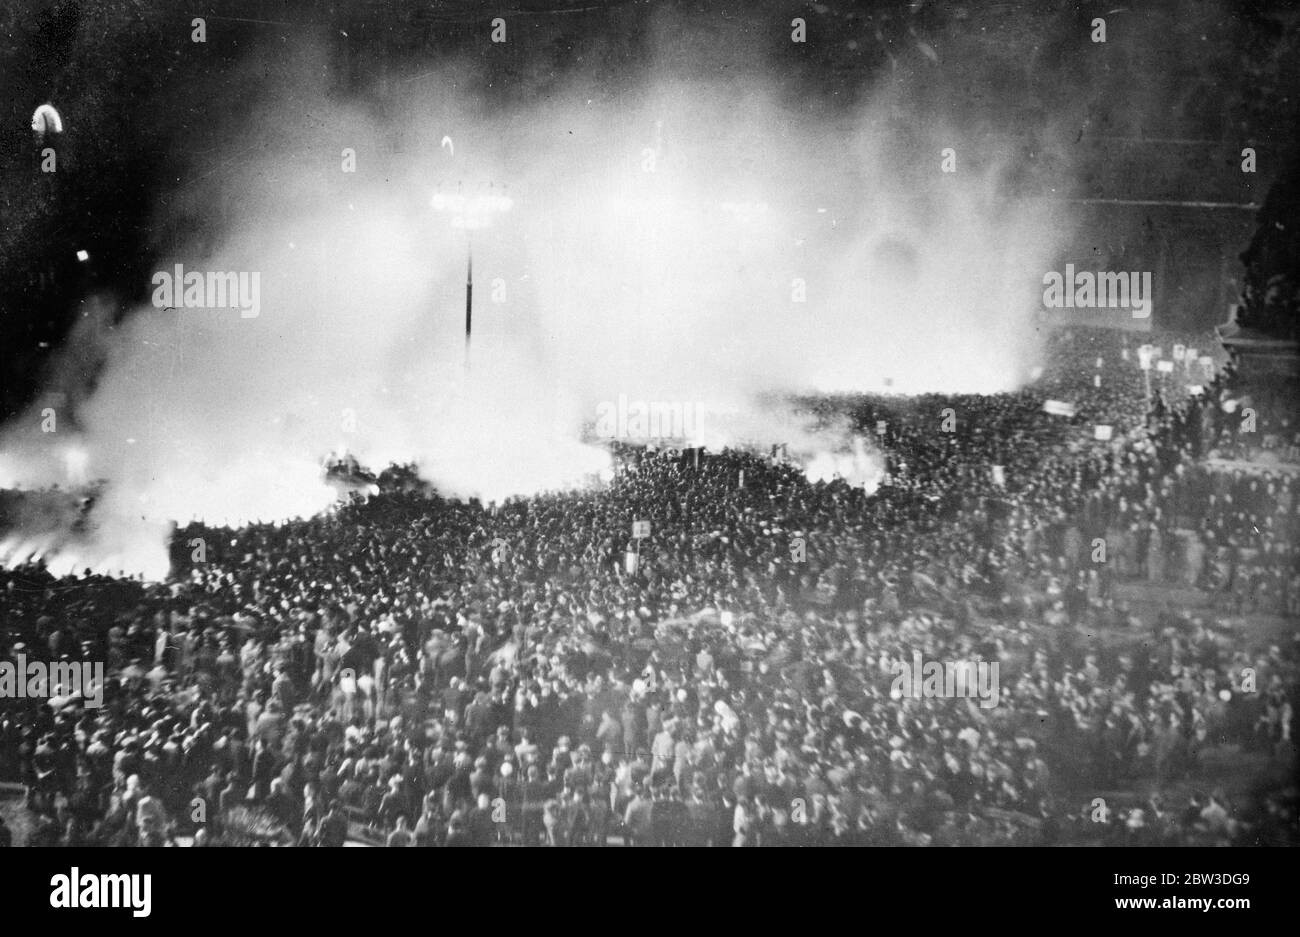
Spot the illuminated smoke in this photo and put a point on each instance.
(686, 243)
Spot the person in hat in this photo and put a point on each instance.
(456, 832)
(333, 830)
(638, 822)
(401, 835)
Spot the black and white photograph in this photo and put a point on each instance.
(625, 423)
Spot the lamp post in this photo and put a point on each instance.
(471, 213)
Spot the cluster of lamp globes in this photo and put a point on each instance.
(472, 212)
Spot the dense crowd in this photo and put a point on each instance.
(414, 670)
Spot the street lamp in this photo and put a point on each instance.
(471, 213)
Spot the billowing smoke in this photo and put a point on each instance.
(688, 244)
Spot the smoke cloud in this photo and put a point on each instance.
(688, 241)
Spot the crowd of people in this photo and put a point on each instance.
(410, 669)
